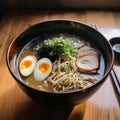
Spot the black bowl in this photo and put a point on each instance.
(115, 42)
(59, 100)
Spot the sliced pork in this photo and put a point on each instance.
(87, 60)
(85, 50)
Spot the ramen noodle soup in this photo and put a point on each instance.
(60, 63)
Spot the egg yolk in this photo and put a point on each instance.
(44, 67)
(26, 64)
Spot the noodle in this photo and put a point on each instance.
(65, 77)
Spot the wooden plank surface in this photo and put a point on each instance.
(15, 105)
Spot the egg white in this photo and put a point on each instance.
(38, 75)
(27, 71)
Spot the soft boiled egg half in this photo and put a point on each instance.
(27, 65)
(42, 69)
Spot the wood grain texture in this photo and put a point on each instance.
(15, 105)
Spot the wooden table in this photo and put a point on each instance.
(15, 105)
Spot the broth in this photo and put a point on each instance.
(36, 44)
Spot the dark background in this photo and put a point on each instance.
(79, 4)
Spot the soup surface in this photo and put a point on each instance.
(60, 63)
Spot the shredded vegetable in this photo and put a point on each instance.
(61, 46)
